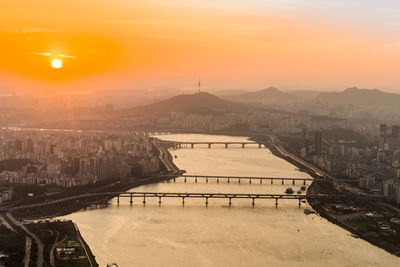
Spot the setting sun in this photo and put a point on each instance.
(56, 63)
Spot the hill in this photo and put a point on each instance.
(306, 94)
(367, 98)
(270, 94)
(199, 103)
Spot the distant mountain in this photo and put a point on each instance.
(270, 92)
(265, 95)
(306, 94)
(222, 93)
(367, 98)
(200, 103)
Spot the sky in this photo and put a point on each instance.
(229, 44)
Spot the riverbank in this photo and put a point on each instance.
(366, 218)
(77, 198)
(47, 206)
(62, 244)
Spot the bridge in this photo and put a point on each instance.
(228, 196)
(209, 144)
(240, 178)
(95, 198)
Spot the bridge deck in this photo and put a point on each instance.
(220, 142)
(230, 196)
(211, 143)
(240, 178)
(222, 195)
(246, 177)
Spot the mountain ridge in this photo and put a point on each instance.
(198, 103)
(361, 97)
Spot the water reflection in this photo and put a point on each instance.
(172, 234)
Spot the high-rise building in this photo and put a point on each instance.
(29, 146)
(306, 138)
(383, 130)
(395, 132)
(318, 143)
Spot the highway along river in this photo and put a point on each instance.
(171, 234)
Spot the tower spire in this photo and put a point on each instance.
(199, 85)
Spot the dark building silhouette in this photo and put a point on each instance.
(29, 146)
(306, 138)
(395, 132)
(318, 143)
(383, 130)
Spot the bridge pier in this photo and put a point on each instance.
(283, 181)
(174, 179)
(192, 145)
(260, 181)
(250, 181)
(243, 144)
(226, 145)
(206, 179)
(272, 181)
(218, 180)
(239, 180)
(304, 182)
(195, 179)
(206, 196)
(209, 145)
(259, 145)
(185, 179)
(293, 182)
(118, 200)
(228, 181)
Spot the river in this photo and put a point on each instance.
(172, 234)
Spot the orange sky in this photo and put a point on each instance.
(229, 44)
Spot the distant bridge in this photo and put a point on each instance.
(209, 144)
(241, 178)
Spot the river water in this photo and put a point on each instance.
(172, 234)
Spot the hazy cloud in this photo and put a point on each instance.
(149, 22)
(47, 54)
(29, 30)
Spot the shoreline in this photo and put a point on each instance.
(318, 207)
(68, 205)
(167, 157)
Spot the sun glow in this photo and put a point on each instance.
(56, 63)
